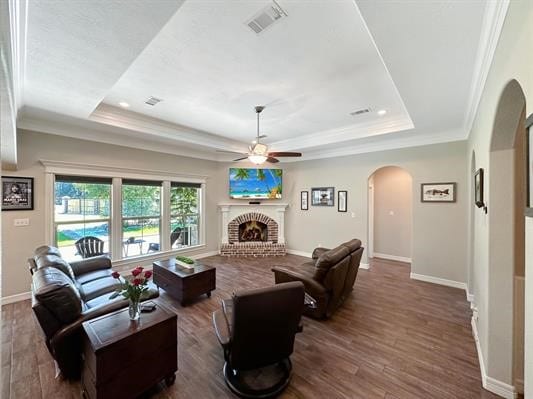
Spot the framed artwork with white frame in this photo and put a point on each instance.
(304, 200)
(342, 201)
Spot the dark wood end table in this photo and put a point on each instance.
(184, 284)
(122, 358)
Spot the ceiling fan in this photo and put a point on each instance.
(258, 152)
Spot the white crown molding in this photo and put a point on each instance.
(18, 18)
(384, 145)
(345, 133)
(118, 117)
(96, 132)
(492, 25)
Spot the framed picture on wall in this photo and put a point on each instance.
(529, 160)
(437, 192)
(17, 193)
(304, 200)
(479, 188)
(342, 201)
(323, 196)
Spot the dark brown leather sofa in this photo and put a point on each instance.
(328, 278)
(65, 295)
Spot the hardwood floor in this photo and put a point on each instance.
(394, 338)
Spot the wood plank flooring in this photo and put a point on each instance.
(394, 338)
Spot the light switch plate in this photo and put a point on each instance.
(21, 222)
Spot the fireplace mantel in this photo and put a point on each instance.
(274, 210)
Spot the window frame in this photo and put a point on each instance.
(53, 168)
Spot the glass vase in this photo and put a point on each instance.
(135, 309)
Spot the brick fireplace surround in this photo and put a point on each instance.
(234, 215)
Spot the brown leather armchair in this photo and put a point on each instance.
(256, 329)
(65, 295)
(328, 278)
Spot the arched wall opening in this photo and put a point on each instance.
(506, 202)
(390, 214)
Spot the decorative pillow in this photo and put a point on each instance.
(54, 261)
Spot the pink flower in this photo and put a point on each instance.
(115, 274)
(147, 274)
(137, 281)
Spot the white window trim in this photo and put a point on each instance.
(52, 168)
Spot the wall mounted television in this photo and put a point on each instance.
(248, 183)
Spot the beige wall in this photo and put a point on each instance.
(19, 242)
(493, 286)
(393, 216)
(433, 224)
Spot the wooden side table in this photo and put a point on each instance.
(122, 358)
(184, 284)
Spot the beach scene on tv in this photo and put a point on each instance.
(255, 183)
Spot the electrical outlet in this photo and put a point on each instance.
(353, 214)
(319, 245)
(21, 222)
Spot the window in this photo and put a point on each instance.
(141, 217)
(81, 209)
(184, 214)
(122, 216)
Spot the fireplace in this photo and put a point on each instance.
(249, 231)
(253, 230)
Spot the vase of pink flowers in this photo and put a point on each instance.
(132, 288)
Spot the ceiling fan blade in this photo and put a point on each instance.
(272, 160)
(231, 152)
(240, 159)
(284, 154)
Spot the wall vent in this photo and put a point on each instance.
(266, 17)
(153, 100)
(360, 111)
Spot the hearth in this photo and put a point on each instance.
(252, 231)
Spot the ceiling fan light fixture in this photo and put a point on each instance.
(257, 159)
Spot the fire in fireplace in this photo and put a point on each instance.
(253, 231)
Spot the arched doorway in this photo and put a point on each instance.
(506, 201)
(390, 214)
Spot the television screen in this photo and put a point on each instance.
(250, 183)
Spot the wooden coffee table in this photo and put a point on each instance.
(123, 358)
(184, 284)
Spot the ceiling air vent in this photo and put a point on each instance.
(266, 17)
(360, 111)
(153, 101)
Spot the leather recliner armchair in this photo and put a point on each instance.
(256, 329)
(328, 278)
(65, 295)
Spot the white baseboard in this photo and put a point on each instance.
(15, 298)
(438, 280)
(299, 253)
(519, 385)
(365, 266)
(204, 255)
(491, 384)
(392, 257)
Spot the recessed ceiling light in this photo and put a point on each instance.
(124, 104)
(382, 112)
